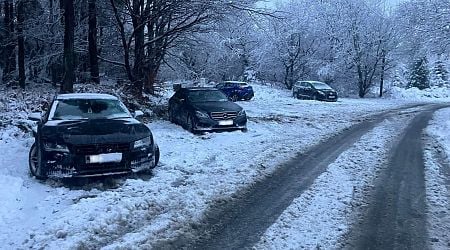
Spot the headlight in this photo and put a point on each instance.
(53, 146)
(201, 114)
(144, 142)
(320, 92)
(242, 113)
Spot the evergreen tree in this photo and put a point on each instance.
(440, 74)
(419, 74)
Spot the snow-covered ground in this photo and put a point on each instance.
(437, 175)
(323, 214)
(195, 171)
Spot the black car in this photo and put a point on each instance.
(86, 135)
(236, 90)
(314, 90)
(205, 109)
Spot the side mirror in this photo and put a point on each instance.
(138, 113)
(35, 116)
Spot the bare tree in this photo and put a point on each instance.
(92, 40)
(21, 43)
(69, 50)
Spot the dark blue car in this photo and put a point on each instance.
(236, 90)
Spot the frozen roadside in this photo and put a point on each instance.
(195, 172)
(437, 176)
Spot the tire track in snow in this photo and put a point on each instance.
(240, 222)
(396, 216)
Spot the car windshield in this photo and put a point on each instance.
(320, 85)
(75, 109)
(207, 96)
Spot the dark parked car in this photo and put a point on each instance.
(236, 90)
(86, 135)
(205, 109)
(314, 90)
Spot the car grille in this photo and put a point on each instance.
(223, 115)
(101, 148)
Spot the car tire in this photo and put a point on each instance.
(171, 117)
(315, 98)
(298, 96)
(35, 163)
(157, 155)
(190, 124)
(234, 98)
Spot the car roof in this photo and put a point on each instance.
(235, 82)
(199, 88)
(310, 82)
(86, 96)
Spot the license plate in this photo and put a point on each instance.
(103, 158)
(226, 123)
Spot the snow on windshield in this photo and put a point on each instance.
(88, 109)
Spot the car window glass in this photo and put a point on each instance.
(321, 85)
(89, 109)
(207, 96)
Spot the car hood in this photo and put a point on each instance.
(96, 131)
(217, 106)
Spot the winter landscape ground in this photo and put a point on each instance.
(198, 172)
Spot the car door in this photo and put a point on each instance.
(309, 90)
(175, 105)
(228, 89)
(302, 89)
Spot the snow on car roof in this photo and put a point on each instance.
(235, 82)
(86, 96)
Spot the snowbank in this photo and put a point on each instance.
(437, 176)
(430, 94)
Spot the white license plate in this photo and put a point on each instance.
(226, 123)
(104, 158)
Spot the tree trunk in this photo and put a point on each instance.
(92, 38)
(21, 43)
(139, 50)
(69, 52)
(10, 43)
(383, 68)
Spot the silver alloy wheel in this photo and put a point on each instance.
(234, 98)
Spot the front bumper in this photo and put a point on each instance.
(75, 164)
(328, 97)
(208, 124)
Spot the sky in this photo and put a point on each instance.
(272, 3)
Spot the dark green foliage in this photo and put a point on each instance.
(419, 74)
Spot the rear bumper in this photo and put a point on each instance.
(67, 165)
(247, 95)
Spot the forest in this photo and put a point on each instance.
(355, 46)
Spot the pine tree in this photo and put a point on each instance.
(419, 74)
(440, 73)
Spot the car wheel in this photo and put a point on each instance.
(234, 97)
(34, 163)
(157, 154)
(298, 96)
(190, 124)
(171, 116)
(314, 97)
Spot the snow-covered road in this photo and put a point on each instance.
(195, 172)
